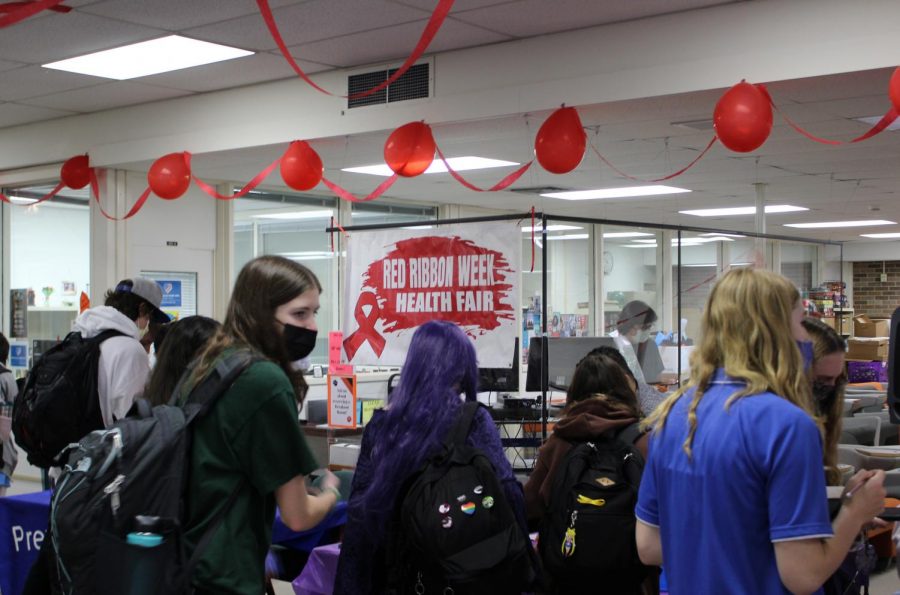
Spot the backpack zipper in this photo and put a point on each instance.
(112, 490)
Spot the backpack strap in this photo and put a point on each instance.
(631, 434)
(205, 540)
(460, 431)
(216, 382)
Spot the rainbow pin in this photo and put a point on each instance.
(468, 508)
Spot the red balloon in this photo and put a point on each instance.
(560, 143)
(894, 89)
(409, 150)
(75, 172)
(301, 166)
(169, 176)
(743, 118)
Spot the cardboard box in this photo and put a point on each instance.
(830, 321)
(863, 326)
(869, 349)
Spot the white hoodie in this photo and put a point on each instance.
(124, 365)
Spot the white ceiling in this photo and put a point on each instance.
(837, 183)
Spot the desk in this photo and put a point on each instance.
(23, 523)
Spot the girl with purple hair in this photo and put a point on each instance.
(440, 367)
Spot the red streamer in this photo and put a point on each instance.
(346, 195)
(532, 238)
(431, 29)
(137, 206)
(252, 184)
(51, 194)
(19, 11)
(702, 154)
(340, 227)
(886, 120)
(501, 185)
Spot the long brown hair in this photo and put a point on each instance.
(601, 376)
(826, 341)
(745, 330)
(262, 285)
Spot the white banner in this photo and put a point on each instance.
(399, 279)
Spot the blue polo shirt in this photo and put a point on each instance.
(755, 478)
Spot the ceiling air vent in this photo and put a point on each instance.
(414, 84)
(539, 189)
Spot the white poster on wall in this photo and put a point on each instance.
(399, 279)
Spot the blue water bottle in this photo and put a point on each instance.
(145, 562)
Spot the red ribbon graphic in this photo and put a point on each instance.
(19, 11)
(879, 127)
(431, 29)
(366, 331)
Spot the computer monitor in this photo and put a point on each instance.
(504, 379)
(558, 359)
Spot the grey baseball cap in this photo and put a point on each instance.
(149, 290)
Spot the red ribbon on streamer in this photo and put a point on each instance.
(882, 125)
(347, 195)
(48, 196)
(431, 29)
(366, 332)
(501, 185)
(702, 154)
(252, 184)
(137, 206)
(343, 231)
(19, 11)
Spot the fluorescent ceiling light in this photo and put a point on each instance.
(573, 236)
(641, 246)
(149, 57)
(437, 166)
(823, 224)
(537, 228)
(627, 192)
(732, 211)
(644, 241)
(295, 215)
(872, 120)
(626, 234)
(21, 200)
(727, 235)
(419, 227)
(699, 265)
(882, 236)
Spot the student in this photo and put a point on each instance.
(733, 495)
(634, 330)
(123, 367)
(440, 367)
(8, 392)
(176, 345)
(251, 439)
(648, 397)
(828, 382)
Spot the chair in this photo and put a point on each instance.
(865, 428)
(885, 418)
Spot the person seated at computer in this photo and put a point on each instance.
(634, 330)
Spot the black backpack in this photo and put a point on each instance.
(131, 477)
(59, 403)
(454, 530)
(586, 538)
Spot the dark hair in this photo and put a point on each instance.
(615, 355)
(127, 303)
(440, 364)
(264, 283)
(4, 348)
(635, 313)
(185, 339)
(597, 375)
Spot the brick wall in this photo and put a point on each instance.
(870, 295)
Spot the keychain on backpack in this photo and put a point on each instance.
(568, 544)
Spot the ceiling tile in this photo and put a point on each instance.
(68, 35)
(458, 6)
(248, 70)
(8, 65)
(310, 21)
(33, 81)
(13, 114)
(392, 43)
(178, 16)
(532, 17)
(106, 96)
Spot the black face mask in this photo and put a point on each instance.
(824, 396)
(298, 341)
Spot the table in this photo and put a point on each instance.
(23, 524)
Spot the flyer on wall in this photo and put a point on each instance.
(399, 279)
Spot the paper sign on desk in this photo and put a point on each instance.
(335, 343)
(342, 401)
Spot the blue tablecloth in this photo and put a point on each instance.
(23, 523)
(307, 540)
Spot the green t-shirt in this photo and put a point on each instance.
(250, 437)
